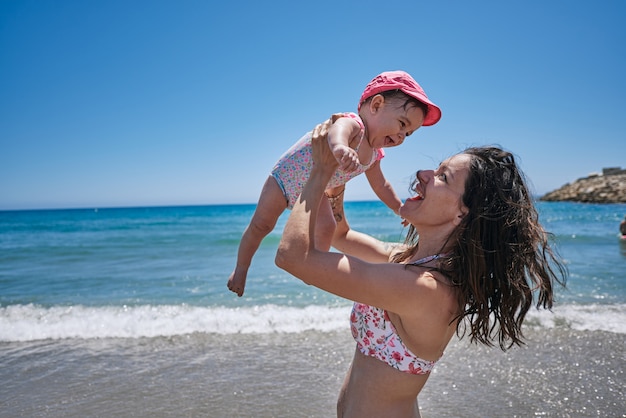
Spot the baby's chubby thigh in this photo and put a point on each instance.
(272, 203)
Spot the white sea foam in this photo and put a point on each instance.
(31, 322)
(593, 317)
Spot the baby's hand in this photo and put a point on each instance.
(347, 158)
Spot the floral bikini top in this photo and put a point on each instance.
(376, 337)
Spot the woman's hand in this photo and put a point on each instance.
(322, 154)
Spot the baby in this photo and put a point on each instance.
(392, 107)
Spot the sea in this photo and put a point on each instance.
(125, 312)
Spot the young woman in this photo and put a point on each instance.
(473, 257)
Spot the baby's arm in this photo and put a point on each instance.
(383, 188)
(340, 134)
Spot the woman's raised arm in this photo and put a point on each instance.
(353, 242)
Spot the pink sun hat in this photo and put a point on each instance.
(399, 80)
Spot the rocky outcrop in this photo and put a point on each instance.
(608, 187)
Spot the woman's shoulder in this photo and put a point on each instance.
(433, 280)
(421, 289)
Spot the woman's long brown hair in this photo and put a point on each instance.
(501, 257)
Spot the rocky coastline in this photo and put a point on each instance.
(607, 187)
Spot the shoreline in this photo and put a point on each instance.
(559, 372)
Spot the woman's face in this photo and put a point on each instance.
(439, 193)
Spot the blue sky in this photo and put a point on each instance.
(140, 103)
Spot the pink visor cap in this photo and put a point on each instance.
(399, 80)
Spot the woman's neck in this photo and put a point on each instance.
(429, 246)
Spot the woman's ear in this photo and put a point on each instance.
(459, 218)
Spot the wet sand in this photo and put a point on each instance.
(560, 373)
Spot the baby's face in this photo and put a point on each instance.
(391, 123)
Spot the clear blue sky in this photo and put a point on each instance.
(139, 103)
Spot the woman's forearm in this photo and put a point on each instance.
(298, 239)
(352, 242)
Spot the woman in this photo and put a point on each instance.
(480, 256)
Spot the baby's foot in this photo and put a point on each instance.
(237, 281)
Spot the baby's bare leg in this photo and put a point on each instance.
(272, 204)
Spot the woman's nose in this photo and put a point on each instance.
(424, 175)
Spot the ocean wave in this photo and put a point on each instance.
(20, 323)
(32, 322)
(592, 317)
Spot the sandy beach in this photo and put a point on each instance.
(560, 373)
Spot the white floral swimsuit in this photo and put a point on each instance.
(376, 337)
(294, 166)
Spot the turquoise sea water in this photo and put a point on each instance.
(133, 272)
(125, 312)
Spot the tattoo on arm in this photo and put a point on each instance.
(338, 214)
(336, 203)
